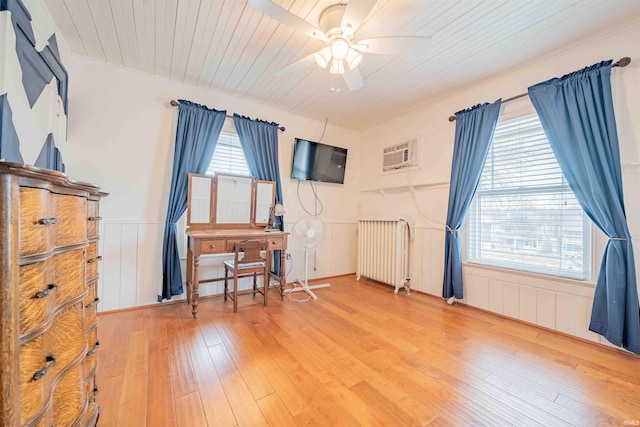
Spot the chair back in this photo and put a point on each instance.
(252, 250)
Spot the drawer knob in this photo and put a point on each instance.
(94, 218)
(212, 246)
(51, 362)
(92, 303)
(96, 259)
(47, 221)
(51, 287)
(95, 393)
(94, 349)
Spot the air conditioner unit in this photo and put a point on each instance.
(399, 156)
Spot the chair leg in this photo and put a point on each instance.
(266, 286)
(226, 283)
(235, 291)
(255, 284)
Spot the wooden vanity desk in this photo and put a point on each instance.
(223, 210)
(209, 242)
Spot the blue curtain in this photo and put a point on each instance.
(196, 138)
(259, 142)
(576, 112)
(474, 131)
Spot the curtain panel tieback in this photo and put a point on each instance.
(618, 238)
(451, 230)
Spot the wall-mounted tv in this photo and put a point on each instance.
(313, 161)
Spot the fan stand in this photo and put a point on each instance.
(304, 286)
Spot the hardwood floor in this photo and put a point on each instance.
(359, 355)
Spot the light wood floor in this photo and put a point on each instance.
(359, 355)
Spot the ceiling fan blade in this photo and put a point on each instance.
(296, 66)
(287, 18)
(395, 45)
(353, 79)
(355, 14)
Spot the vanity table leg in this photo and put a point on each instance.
(196, 284)
(283, 273)
(189, 274)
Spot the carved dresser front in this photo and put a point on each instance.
(48, 297)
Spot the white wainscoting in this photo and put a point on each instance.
(557, 304)
(131, 269)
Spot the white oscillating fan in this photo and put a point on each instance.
(307, 233)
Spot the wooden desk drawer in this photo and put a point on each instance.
(275, 243)
(216, 246)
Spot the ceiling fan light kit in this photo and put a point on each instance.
(323, 57)
(337, 26)
(337, 66)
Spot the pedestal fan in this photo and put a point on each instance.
(307, 233)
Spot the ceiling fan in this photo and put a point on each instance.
(337, 28)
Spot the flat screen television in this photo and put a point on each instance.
(313, 161)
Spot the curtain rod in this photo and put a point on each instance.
(623, 62)
(175, 103)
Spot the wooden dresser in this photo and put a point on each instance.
(48, 272)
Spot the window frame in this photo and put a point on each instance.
(472, 244)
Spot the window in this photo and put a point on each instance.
(524, 216)
(228, 156)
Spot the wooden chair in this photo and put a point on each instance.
(252, 262)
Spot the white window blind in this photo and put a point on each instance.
(524, 216)
(228, 156)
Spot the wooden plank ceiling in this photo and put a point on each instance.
(228, 46)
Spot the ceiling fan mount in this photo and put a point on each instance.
(330, 21)
(337, 28)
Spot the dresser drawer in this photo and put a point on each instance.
(93, 218)
(214, 246)
(44, 357)
(50, 220)
(35, 220)
(45, 419)
(91, 390)
(48, 284)
(93, 258)
(91, 358)
(72, 222)
(69, 397)
(91, 305)
(66, 337)
(36, 372)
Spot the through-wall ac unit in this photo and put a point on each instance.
(399, 155)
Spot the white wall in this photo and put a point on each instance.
(121, 137)
(563, 305)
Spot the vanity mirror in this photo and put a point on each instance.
(234, 200)
(229, 201)
(265, 200)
